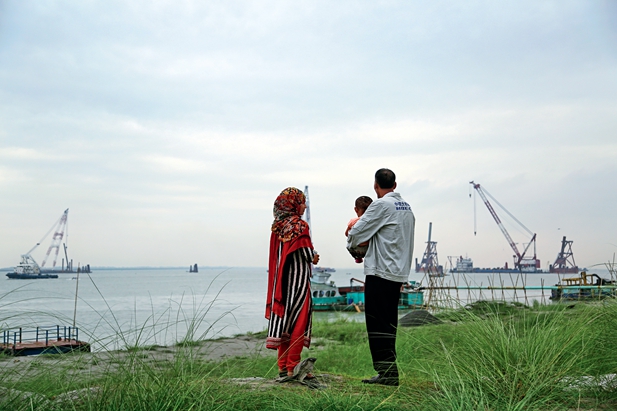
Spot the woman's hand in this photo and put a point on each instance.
(315, 258)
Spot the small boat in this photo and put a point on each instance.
(321, 275)
(328, 297)
(325, 293)
(411, 295)
(584, 287)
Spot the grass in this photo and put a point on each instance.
(487, 356)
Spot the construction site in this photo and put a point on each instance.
(459, 282)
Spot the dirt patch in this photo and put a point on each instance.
(101, 362)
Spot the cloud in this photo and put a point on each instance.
(27, 154)
(168, 164)
(188, 118)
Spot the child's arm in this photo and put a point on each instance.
(350, 224)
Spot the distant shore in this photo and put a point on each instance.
(172, 267)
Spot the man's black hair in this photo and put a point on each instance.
(363, 202)
(385, 178)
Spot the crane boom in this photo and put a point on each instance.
(57, 238)
(496, 218)
(520, 262)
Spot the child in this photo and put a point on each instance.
(362, 204)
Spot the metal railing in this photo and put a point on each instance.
(40, 334)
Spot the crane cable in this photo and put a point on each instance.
(45, 236)
(475, 219)
(504, 209)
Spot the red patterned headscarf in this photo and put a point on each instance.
(288, 223)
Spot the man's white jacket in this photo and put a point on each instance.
(388, 224)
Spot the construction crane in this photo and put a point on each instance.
(57, 238)
(521, 262)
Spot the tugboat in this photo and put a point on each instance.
(28, 269)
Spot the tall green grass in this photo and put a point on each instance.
(520, 362)
(185, 326)
(482, 357)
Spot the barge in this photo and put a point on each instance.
(584, 287)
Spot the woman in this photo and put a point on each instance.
(288, 305)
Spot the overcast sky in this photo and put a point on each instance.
(168, 128)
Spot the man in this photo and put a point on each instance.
(388, 224)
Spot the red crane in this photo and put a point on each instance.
(529, 264)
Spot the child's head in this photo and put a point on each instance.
(362, 204)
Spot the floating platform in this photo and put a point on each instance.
(42, 347)
(42, 340)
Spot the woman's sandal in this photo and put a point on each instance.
(309, 376)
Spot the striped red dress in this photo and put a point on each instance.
(296, 298)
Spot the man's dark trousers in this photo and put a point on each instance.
(381, 299)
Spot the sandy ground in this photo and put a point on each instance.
(94, 364)
(97, 363)
(79, 365)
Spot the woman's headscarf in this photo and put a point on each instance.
(288, 223)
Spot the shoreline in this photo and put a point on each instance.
(478, 342)
(100, 362)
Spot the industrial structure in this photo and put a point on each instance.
(430, 262)
(28, 268)
(523, 262)
(564, 263)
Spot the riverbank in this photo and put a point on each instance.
(488, 356)
(97, 364)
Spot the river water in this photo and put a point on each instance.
(121, 307)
